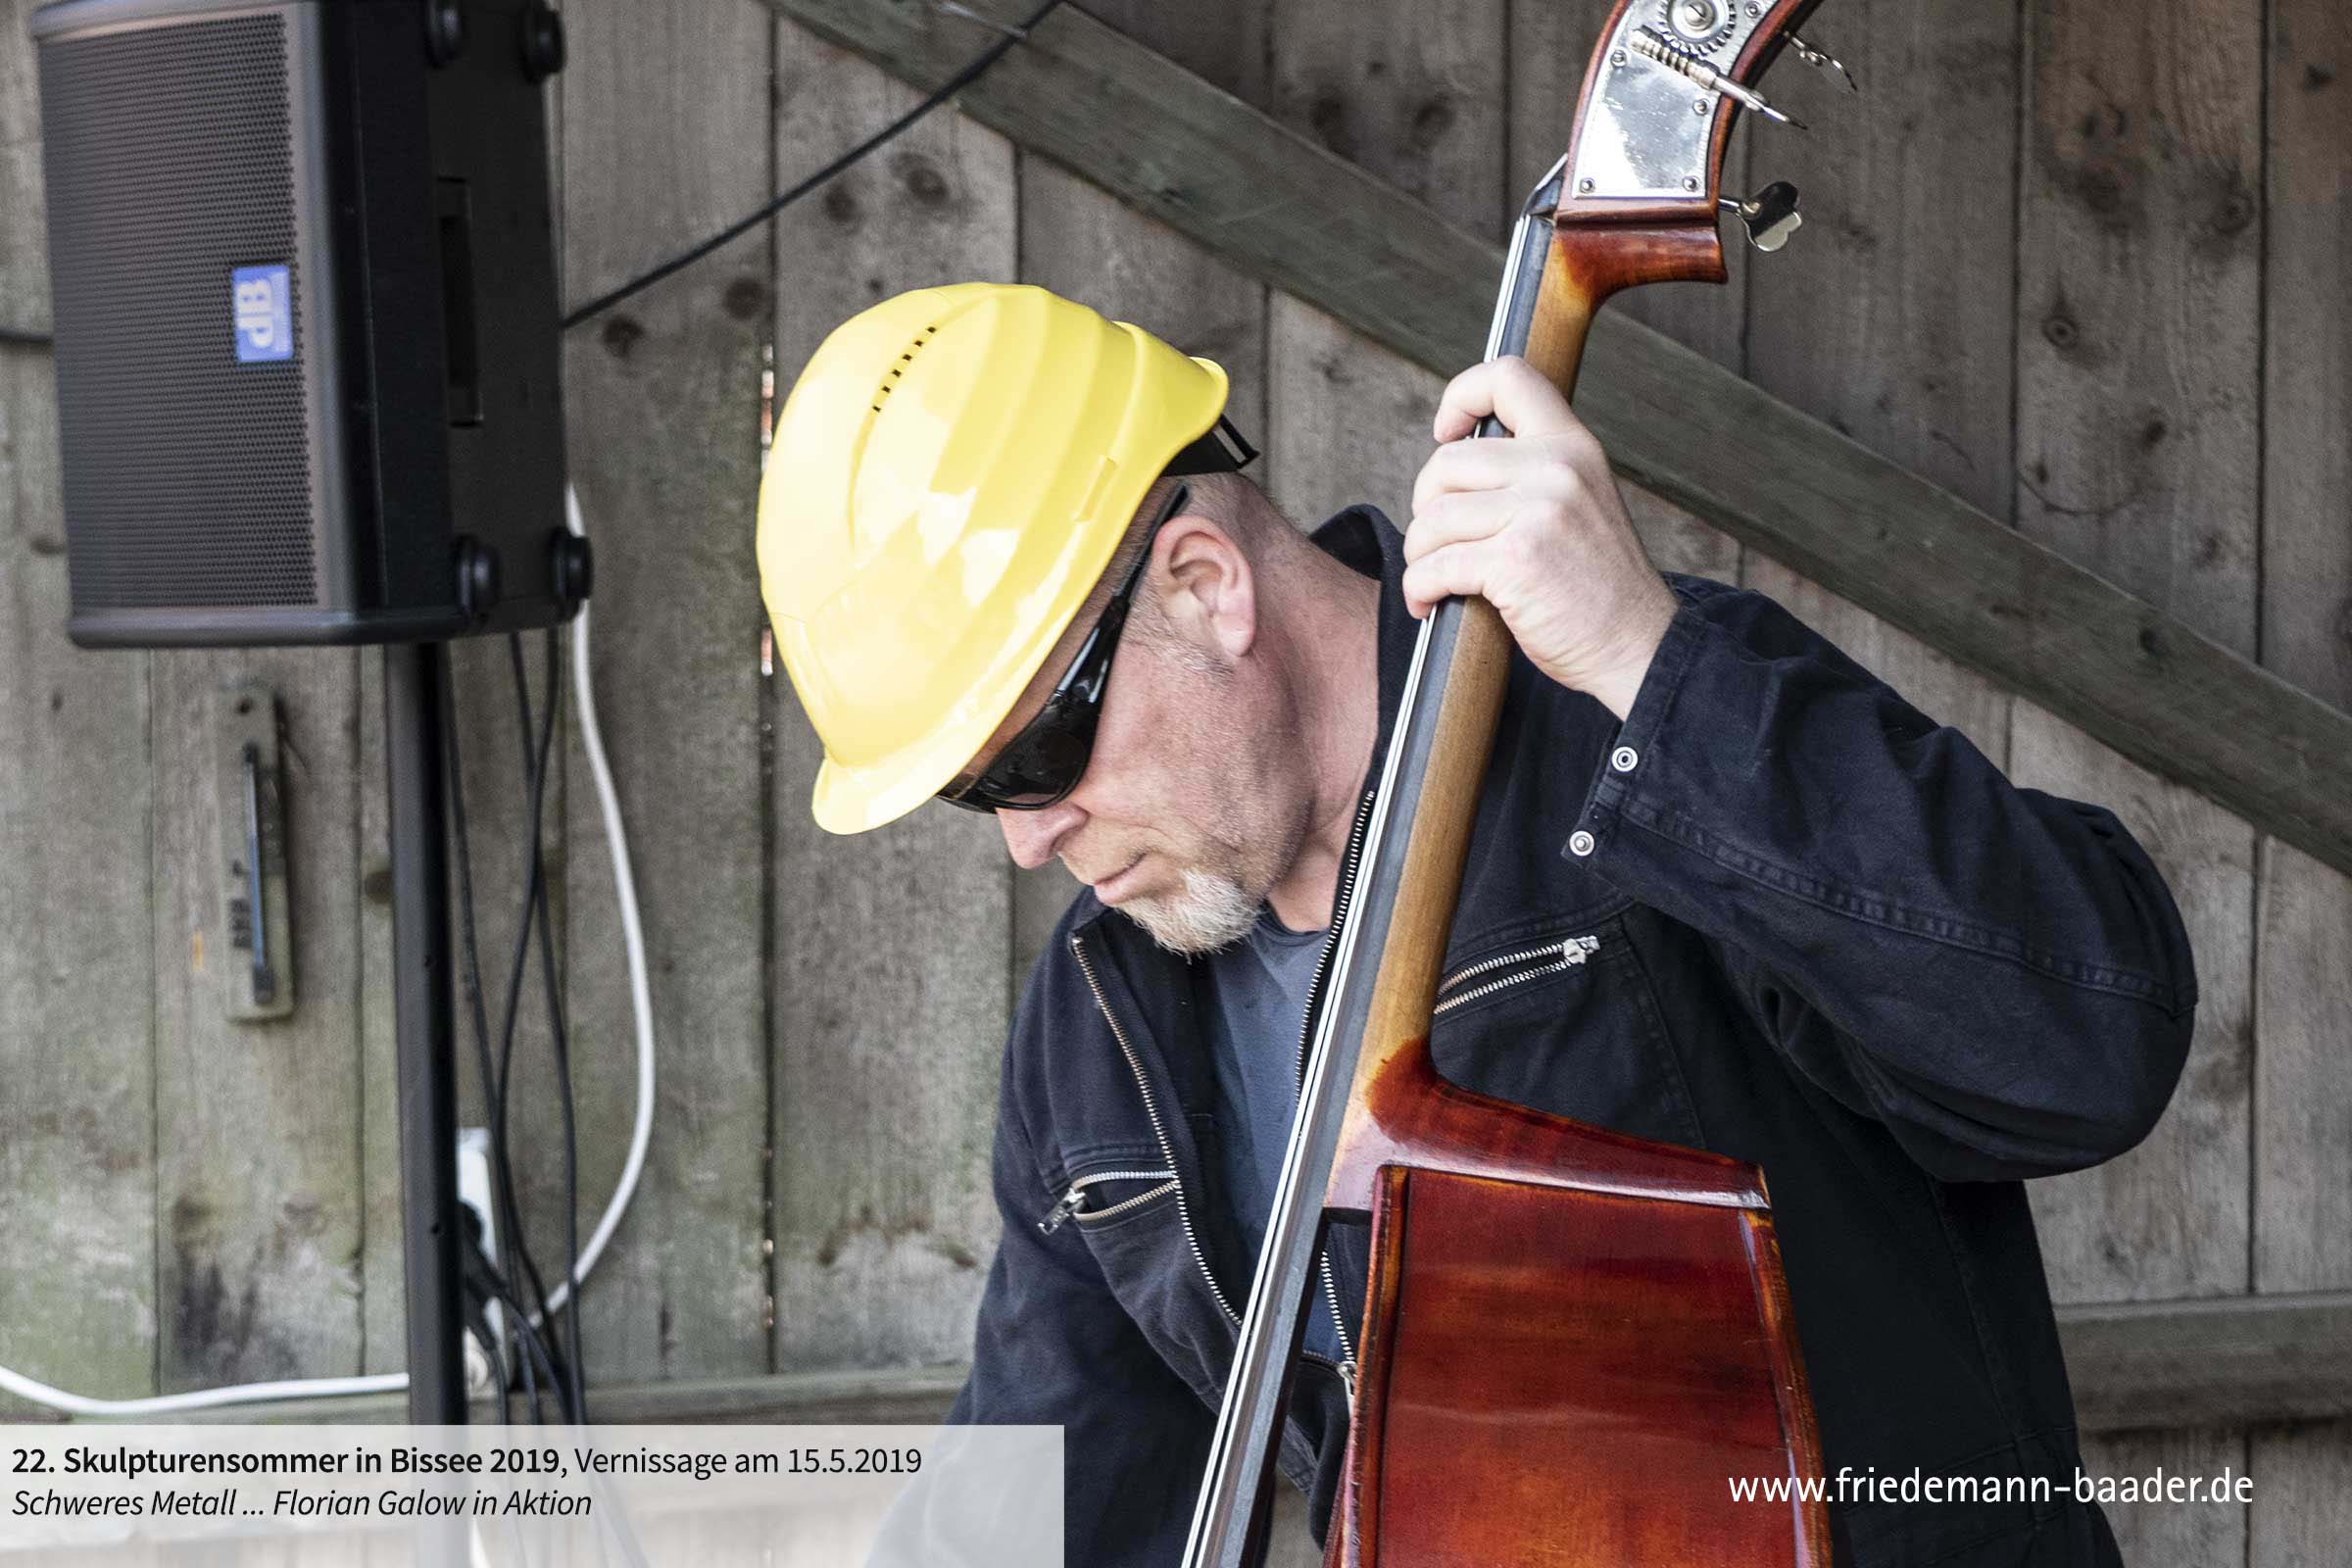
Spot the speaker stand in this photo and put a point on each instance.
(423, 1027)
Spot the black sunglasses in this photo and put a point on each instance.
(1043, 762)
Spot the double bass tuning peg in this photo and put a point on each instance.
(1822, 60)
(1770, 215)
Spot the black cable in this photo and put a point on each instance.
(30, 340)
(479, 1321)
(476, 1265)
(480, 1277)
(533, 1355)
(520, 967)
(494, 1088)
(1014, 33)
(537, 1359)
(557, 1038)
(535, 757)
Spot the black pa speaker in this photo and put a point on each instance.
(306, 335)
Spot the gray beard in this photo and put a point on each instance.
(1211, 912)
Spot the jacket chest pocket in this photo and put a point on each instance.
(1563, 1019)
(1099, 1197)
(1475, 982)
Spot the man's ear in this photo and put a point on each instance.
(1210, 596)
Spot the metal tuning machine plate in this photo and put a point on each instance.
(1651, 44)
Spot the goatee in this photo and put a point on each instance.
(1212, 911)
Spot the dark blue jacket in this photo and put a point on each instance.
(1811, 929)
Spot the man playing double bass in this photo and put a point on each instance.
(1725, 889)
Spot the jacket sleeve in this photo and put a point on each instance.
(1996, 974)
(1054, 1347)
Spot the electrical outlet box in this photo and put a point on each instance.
(474, 1192)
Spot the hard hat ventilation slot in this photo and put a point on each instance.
(889, 382)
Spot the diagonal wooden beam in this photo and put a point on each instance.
(1282, 210)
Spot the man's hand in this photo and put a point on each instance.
(1533, 523)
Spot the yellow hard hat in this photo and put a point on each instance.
(953, 471)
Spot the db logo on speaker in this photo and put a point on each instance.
(262, 306)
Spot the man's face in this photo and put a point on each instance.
(1190, 808)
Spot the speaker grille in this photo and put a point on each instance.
(187, 472)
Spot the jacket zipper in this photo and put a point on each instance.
(1167, 1150)
(1567, 954)
(1069, 1206)
(1183, 1213)
(1314, 994)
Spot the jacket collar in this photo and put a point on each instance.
(1363, 538)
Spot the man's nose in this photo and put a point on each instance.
(1031, 838)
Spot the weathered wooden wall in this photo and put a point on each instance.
(2089, 276)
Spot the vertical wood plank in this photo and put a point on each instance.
(667, 121)
(76, 962)
(2137, 454)
(1414, 93)
(2138, 332)
(2303, 1103)
(1888, 316)
(1349, 420)
(2137, 385)
(2303, 1228)
(1223, 41)
(383, 1301)
(892, 947)
(257, 1140)
(2164, 1535)
(2302, 1506)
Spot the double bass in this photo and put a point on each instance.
(1571, 1336)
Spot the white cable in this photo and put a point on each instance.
(624, 887)
(632, 934)
(26, 1387)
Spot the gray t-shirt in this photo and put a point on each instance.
(1259, 987)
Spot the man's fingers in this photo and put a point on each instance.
(1465, 466)
(1510, 389)
(1458, 517)
(1454, 572)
